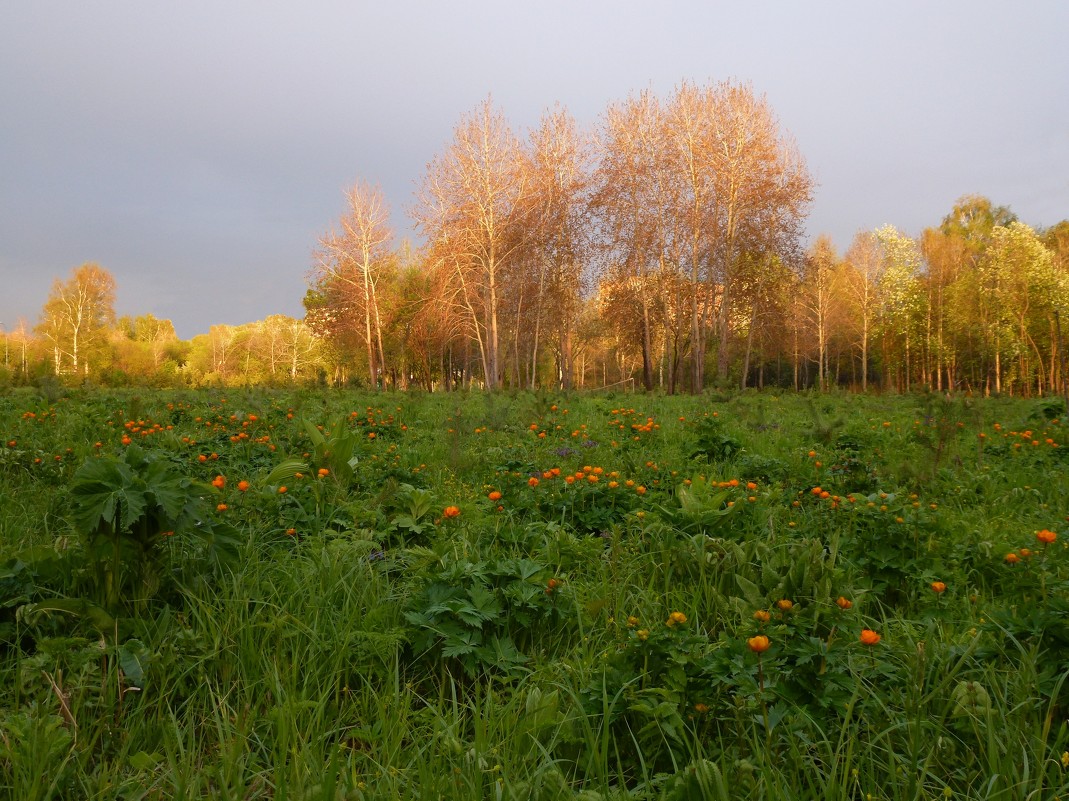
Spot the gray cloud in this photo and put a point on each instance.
(197, 150)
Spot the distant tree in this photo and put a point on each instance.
(144, 343)
(901, 303)
(75, 318)
(761, 189)
(630, 199)
(470, 207)
(864, 266)
(559, 233)
(817, 298)
(349, 267)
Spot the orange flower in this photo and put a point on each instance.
(532, 482)
(640, 490)
(938, 587)
(323, 472)
(869, 637)
(243, 486)
(676, 617)
(494, 496)
(843, 603)
(282, 490)
(1046, 537)
(751, 486)
(759, 644)
(785, 605)
(762, 616)
(290, 532)
(1012, 558)
(221, 507)
(450, 512)
(219, 482)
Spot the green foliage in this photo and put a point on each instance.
(125, 509)
(359, 643)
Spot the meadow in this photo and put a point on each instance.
(310, 594)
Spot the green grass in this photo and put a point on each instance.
(344, 639)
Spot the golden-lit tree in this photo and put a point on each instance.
(470, 207)
(76, 317)
(349, 266)
(630, 199)
(558, 233)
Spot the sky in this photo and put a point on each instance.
(198, 150)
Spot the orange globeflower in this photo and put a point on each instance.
(843, 603)
(759, 644)
(323, 472)
(282, 490)
(938, 587)
(243, 486)
(762, 616)
(532, 482)
(219, 482)
(1046, 537)
(640, 490)
(676, 617)
(451, 512)
(494, 496)
(1012, 558)
(221, 507)
(785, 605)
(869, 637)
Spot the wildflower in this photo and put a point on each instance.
(751, 486)
(632, 621)
(701, 709)
(532, 482)
(676, 617)
(221, 507)
(494, 496)
(291, 532)
(640, 490)
(450, 512)
(869, 637)
(323, 472)
(759, 644)
(843, 603)
(219, 482)
(762, 616)
(243, 486)
(785, 605)
(1046, 537)
(938, 587)
(282, 490)
(1012, 558)
(642, 634)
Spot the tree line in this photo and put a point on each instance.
(663, 248)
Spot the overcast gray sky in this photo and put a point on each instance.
(198, 149)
